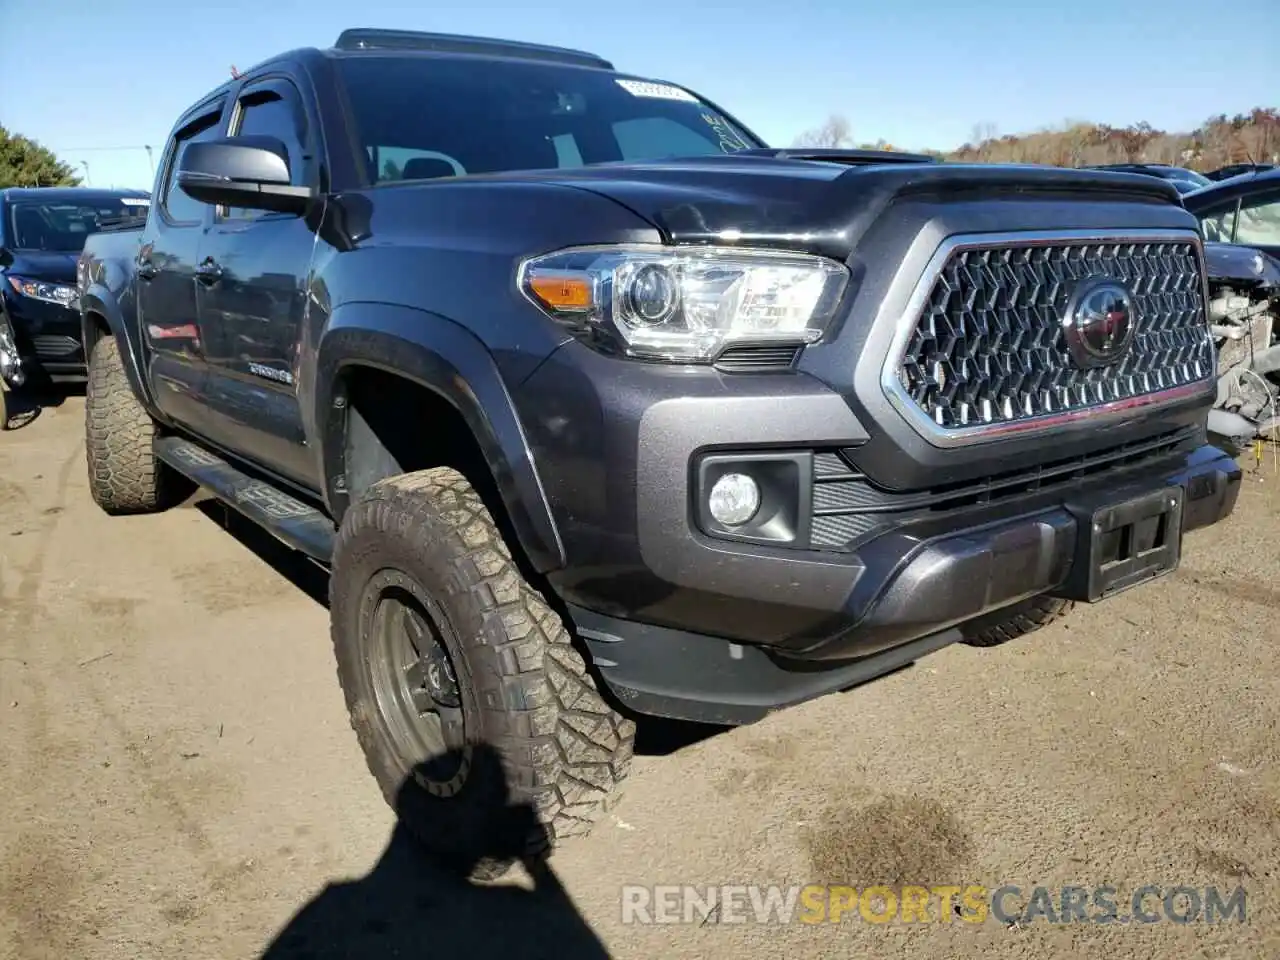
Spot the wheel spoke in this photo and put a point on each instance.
(417, 632)
(451, 726)
(422, 701)
(415, 675)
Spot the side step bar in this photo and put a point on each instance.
(289, 520)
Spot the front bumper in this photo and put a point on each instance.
(47, 341)
(944, 583)
(688, 625)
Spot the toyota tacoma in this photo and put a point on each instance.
(595, 406)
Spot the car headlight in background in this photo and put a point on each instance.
(60, 293)
(685, 304)
(10, 362)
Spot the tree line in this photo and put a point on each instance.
(1252, 137)
(25, 163)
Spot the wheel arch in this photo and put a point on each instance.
(100, 316)
(422, 378)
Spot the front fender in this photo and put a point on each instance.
(97, 299)
(438, 354)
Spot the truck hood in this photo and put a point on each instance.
(822, 205)
(55, 267)
(1229, 262)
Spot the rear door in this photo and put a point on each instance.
(166, 265)
(252, 290)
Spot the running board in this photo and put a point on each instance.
(289, 520)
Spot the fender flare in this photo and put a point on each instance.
(441, 356)
(96, 299)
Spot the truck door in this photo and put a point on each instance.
(252, 292)
(166, 270)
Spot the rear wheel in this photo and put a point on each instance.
(124, 474)
(477, 716)
(1013, 622)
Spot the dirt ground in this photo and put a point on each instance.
(178, 778)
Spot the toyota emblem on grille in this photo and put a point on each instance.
(1099, 322)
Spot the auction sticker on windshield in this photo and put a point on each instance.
(663, 91)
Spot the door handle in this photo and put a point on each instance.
(146, 270)
(209, 271)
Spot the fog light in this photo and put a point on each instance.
(734, 499)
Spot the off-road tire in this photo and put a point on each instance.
(1017, 621)
(528, 698)
(124, 474)
(4, 406)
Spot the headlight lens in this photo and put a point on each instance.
(686, 304)
(59, 293)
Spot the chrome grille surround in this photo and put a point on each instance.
(979, 352)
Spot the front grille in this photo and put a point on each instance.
(989, 346)
(848, 508)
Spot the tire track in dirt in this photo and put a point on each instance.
(38, 872)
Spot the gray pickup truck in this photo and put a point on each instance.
(595, 406)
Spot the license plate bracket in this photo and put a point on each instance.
(1121, 545)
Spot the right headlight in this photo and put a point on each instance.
(685, 303)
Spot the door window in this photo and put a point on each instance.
(1258, 223)
(272, 113)
(1217, 225)
(175, 203)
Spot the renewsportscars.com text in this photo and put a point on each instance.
(973, 903)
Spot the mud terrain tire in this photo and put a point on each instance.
(527, 698)
(1017, 621)
(124, 474)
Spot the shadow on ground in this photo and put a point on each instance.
(655, 736)
(416, 904)
(301, 571)
(21, 408)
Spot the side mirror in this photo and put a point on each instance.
(250, 172)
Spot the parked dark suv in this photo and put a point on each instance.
(42, 231)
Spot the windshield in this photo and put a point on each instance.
(63, 225)
(420, 117)
(1181, 173)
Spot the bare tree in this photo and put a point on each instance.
(982, 136)
(836, 132)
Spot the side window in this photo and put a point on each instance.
(1259, 221)
(176, 204)
(1218, 224)
(273, 114)
(651, 138)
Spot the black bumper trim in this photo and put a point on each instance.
(938, 585)
(962, 575)
(687, 676)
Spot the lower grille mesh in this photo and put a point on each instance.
(848, 507)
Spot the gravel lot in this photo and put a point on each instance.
(179, 779)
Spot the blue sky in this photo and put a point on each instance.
(77, 74)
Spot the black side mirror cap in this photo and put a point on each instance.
(250, 172)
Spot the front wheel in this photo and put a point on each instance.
(477, 717)
(1007, 624)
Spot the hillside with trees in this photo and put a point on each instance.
(1252, 137)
